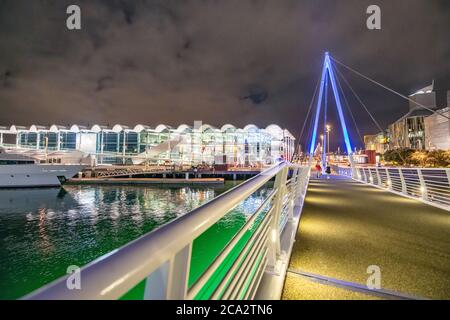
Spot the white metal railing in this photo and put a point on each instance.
(430, 185)
(162, 257)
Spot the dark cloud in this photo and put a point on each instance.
(256, 94)
(178, 61)
(104, 83)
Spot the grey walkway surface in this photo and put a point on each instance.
(347, 226)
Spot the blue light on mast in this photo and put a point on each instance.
(319, 104)
(327, 67)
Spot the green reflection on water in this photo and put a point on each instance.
(43, 231)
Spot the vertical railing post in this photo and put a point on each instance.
(294, 191)
(304, 178)
(378, 176)
(365, 176)
(370, 176)
(170, 281)
(274, 234)
(301, 184)
(156, 283)
(423, 187)
(389, 181)
(355, 175)
(352, 165)
(447, 171)
(179, 274)
(298, 185)
(402, 179)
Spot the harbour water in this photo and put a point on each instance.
(44, 231)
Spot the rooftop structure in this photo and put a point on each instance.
(409, 130)
(120, 144)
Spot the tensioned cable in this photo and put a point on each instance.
(389, 89)
(309, 132)
(364, 106)
(359, 99)
(309, 111)
(349, 109)
(325, 111)
(311, 123)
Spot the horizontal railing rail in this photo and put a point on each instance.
(163, 257)
(430, 185)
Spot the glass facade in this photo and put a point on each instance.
(250, 146)
(408, 133)
(68, 140)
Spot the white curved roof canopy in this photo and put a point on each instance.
(251, 127)
(288, 134)
(55, 128)
(161, 128)
(183, 127)
(96, 128)
(118, 128)
(140, 127)
(77, 128)
(228, 126)
(36, 128)
(13, 129)
(275, 131)
(206, 126)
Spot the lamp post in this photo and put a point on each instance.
(328, 138)
(321, 145)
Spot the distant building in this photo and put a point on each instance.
(205, 144)
(377, 142)
(409, 130)
(437, 129)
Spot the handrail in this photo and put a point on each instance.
(429, 185)
(163, 255)
(193, 291)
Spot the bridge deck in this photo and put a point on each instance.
(347, 226)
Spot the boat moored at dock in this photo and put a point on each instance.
(19, 171)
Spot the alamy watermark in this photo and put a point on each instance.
(73, 21)
(374, 280)
(374, 20)
(73, 281)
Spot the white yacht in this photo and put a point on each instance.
(19, 171)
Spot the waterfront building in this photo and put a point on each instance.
(409, 130)
(119, 144)
(377, 142)
(437, 129)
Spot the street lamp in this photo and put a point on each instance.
(321, 145)
(328, 138)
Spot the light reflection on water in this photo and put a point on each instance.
(43, 231)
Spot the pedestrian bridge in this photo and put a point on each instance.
(346, 226)
(307, 239)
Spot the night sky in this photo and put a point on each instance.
(226, 61)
